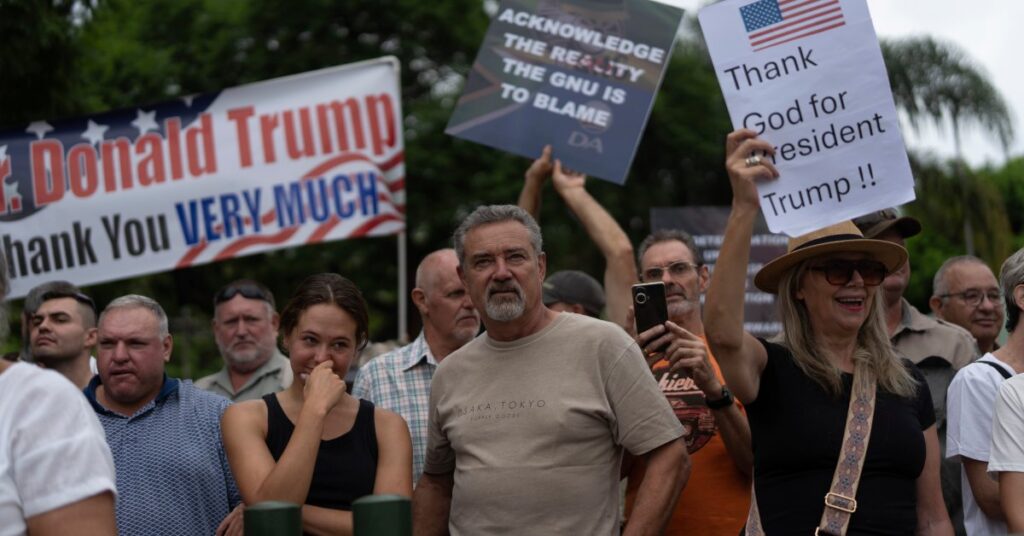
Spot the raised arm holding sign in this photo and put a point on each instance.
(808, 77)
(578, 75)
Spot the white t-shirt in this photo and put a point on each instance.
(1008, 429)
(52, 449)
(970, 402)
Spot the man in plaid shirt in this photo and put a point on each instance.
(400, 380)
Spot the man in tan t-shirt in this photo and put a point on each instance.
(528, 422)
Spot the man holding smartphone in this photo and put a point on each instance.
(717, 497)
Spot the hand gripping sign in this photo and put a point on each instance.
(808, 76)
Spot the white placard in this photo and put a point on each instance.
(281, 163)
(808, 76)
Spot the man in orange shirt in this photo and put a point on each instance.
(717, 497)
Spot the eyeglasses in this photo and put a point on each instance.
(676, 269)
(839, 273)
(974, 297)
(252, 291)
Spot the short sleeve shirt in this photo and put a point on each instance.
(970, 405)
(172, 472)
(534, 429)
(1008, 429)
(52, 449)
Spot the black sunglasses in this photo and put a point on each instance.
(839, 272)
(251, 291)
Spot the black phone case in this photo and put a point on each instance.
(649, 305)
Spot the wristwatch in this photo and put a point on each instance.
(724, 402)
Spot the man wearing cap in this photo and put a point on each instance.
(937, 347)
(574, 291)
(62, 331)
(716, 499)
(400, 380)
(245, 327)
(965, 293)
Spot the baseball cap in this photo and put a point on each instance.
(878, 222)
(574, 287)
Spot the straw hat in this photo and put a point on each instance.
(841, 237)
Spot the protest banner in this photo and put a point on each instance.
(275, 164)
(808, 76)
(707, 226)
(580, 75)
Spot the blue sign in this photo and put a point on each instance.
(580, 75)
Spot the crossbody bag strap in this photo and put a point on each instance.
(1002, 371)
(753, 527)
(840, 501)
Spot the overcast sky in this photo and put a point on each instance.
(985, 30)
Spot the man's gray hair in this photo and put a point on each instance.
(496, 214)
(1011, 275)
(669, 235)
(130, 301)
(940, 287)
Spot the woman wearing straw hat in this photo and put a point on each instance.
(843, 429)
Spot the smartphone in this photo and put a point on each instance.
(649, 305)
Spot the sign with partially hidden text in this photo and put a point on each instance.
(577, 74)
(275, 164)
(808, 76)
(707, 226)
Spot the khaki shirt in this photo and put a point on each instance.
(275, 375)
(919, 337)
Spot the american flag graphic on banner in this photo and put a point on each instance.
(774, 22)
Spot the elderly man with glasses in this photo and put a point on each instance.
(717, 497)
(965, 292)
(245, 324)
(972, 403)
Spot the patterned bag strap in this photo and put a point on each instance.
(753, 527)
(840, 501)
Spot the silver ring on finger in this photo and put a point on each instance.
(752, 161)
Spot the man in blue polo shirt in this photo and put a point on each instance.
(172, 474)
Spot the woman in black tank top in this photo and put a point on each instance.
(314, 444)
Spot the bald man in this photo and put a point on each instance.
(400, 380)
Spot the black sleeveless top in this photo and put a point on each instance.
(346, 466)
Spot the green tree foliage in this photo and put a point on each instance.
(942, 238)
(38, 61)
(72, 58)
(936, 81)
(1009, 181)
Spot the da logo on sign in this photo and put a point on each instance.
(589, 137)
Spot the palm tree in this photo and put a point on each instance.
(935, 80)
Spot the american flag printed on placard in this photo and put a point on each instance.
(774, 22)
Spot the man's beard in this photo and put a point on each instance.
(505, 309)
(679, 309)
(246, 360)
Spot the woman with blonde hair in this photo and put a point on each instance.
(843, 429)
